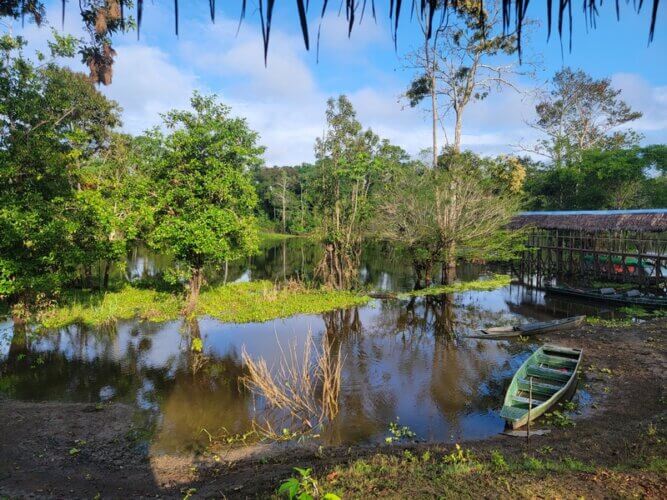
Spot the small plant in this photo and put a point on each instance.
(304, 487)
(545, 450)
(74, 451)
(498, 460)
(570, 406)
(559, 419)
(459, 456)
(399, 432)
(606, 371)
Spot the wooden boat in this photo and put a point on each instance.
(553, 372)
(614, 297)
(504, 332)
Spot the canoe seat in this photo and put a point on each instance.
(538, 387)
(525, 401)
(512, 412)
(557, 361)
(548, 373)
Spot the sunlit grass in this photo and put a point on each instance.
(99, 308)
(238, 303)
(262, 301)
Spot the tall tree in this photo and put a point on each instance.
(52, 121)
(581, 113)
(203, 193)
(350, 162)
(462, 64)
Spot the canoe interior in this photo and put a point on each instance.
(553, 371)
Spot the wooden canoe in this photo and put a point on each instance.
(503, 332)
(553, 372)
(614, 298)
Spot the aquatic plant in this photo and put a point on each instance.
(481, 285)
(304, 388)
(236, 302)
(263, 300)
(399, 432)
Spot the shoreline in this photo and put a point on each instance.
(622, 430)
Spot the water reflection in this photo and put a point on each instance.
(408, 359)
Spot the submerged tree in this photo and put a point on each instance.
(203, 194)
(440, 212)
(350, 162)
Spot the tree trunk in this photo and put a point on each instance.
(457, 131)
(107, 269)
(194, 287)
(449, 265)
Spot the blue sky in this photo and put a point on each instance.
(285, 100)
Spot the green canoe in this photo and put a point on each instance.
(553, 372)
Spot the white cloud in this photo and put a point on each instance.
(651, 101)
(146, 83)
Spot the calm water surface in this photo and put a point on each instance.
(407, 359)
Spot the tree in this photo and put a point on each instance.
(460, 65)
(581, 113)
(431, 214)
(601, 179)
(53, 121)
(350, 163)
(203, 193)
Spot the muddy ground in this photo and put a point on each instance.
(80, 451)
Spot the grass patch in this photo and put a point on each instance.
(100, 308)
(609, 323)
(262, 301)
(481, 285)
(238, 303)
(459, 474)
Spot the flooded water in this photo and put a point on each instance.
(402, 359)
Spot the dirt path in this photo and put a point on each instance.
(77, 450)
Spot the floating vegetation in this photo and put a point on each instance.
(262, 300)
(238, 303)
(481, 285)
(399, 432)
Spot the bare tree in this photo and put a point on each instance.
(461, 64)
(439, 211)
(580, 113)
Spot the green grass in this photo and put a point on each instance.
(461, 474)
(482, 285)
(262, 301)
(238, 303)
(99, 308)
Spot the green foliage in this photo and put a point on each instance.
(238, 303)
(102, 308)
(304, 487)
(262, 301)
(203, 196)
(601, 179)
(351, 165)
(54, 121)
(559, 419)
(399, 432)
(580, 114)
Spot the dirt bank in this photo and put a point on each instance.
(79, 450)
